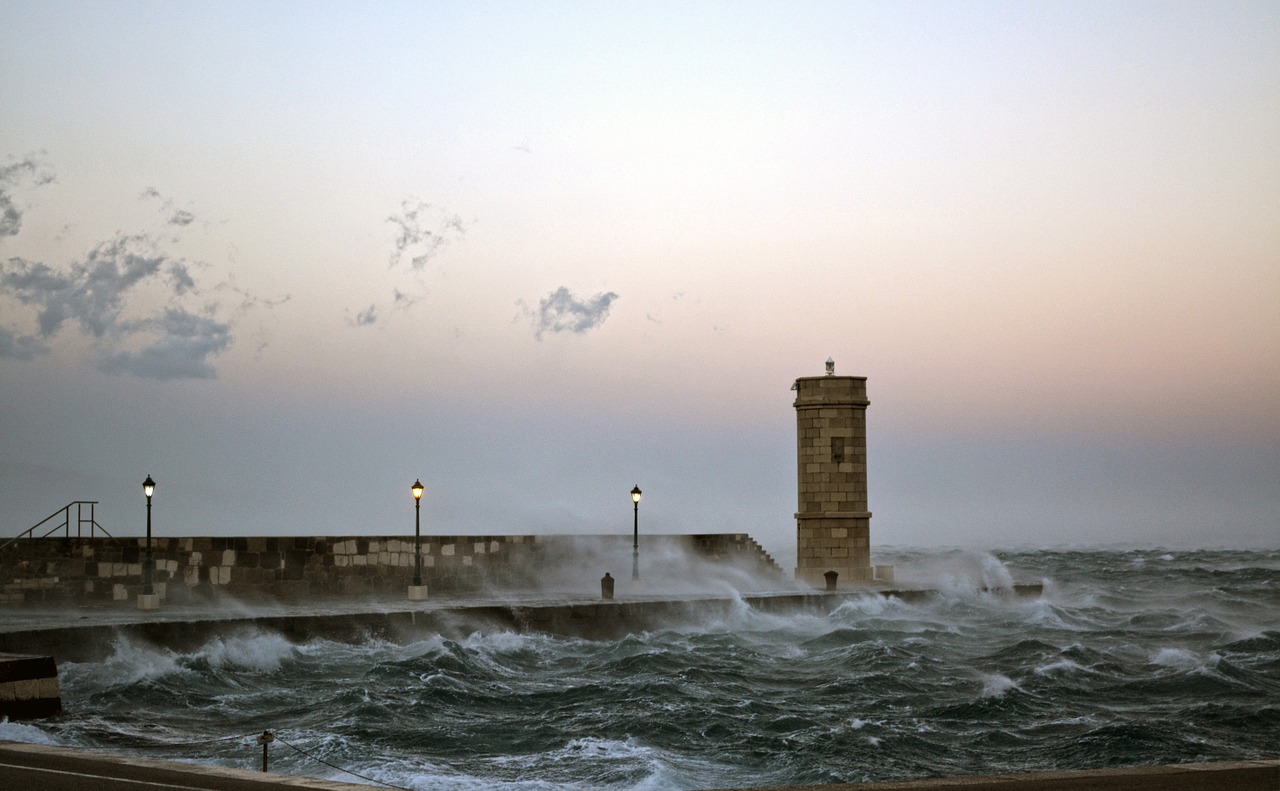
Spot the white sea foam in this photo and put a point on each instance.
(994, 685)
(870, 604)
(904, 657)
(129, 663)
(995, 575)
(958, 573)
(504, 641)
(609, 755)
(1055, 668)
(419, 780)
(1042, 612)
(261, 651)
(1176, 658)
(23, 732)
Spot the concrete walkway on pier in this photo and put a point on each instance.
(86, 633)
(24, 617)
(28, 617)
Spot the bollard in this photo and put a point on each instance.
(606, 586)
(831, 579)
(265, 739)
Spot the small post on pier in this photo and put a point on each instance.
(265, 739)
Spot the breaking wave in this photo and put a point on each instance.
(1128, 658)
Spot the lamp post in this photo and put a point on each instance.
(417, 591)
(635, 533)
(417, 531)
(148, 600)
(148, 488)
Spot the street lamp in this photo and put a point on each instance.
(417, 591)
(148, 488)
(635, 533)
(417, 531)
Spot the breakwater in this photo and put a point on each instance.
(1128, 658)
(69, 569)
(74, 640)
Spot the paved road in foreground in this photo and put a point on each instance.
(37, 766)
(33, 766)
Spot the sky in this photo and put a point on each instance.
(288, 257)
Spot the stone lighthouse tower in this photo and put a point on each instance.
(833, 525)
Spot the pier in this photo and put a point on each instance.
(85, 634)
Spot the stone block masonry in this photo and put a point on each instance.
(53, 570)
(833, 525)
(28, 686)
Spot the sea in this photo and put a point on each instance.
(1130, 657)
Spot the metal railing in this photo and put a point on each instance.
(65, 525)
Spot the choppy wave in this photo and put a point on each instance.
(1132, 657)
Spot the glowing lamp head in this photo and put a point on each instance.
(148, 487)
(635, 494)
(417, 489)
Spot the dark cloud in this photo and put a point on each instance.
(20, 347)
(91, 292)
(178, 217)
(182, 346)
(94, 292)
(422, 229)
(29, 172)
(129, 295)
(561, 311)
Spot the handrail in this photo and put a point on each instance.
(65, 524)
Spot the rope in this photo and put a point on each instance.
(339, 768)
(141, 743)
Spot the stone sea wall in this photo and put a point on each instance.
(290, 567)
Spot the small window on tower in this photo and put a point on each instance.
(837, 450)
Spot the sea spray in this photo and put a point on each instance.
(1130, 657)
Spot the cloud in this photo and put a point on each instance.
(29, 171)
(182, 349)
(422, 230)
(415, 240)
(144, 310)
(20, 347)
(93, 290)
(561, 311)
(95, 293)
(178, 217)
